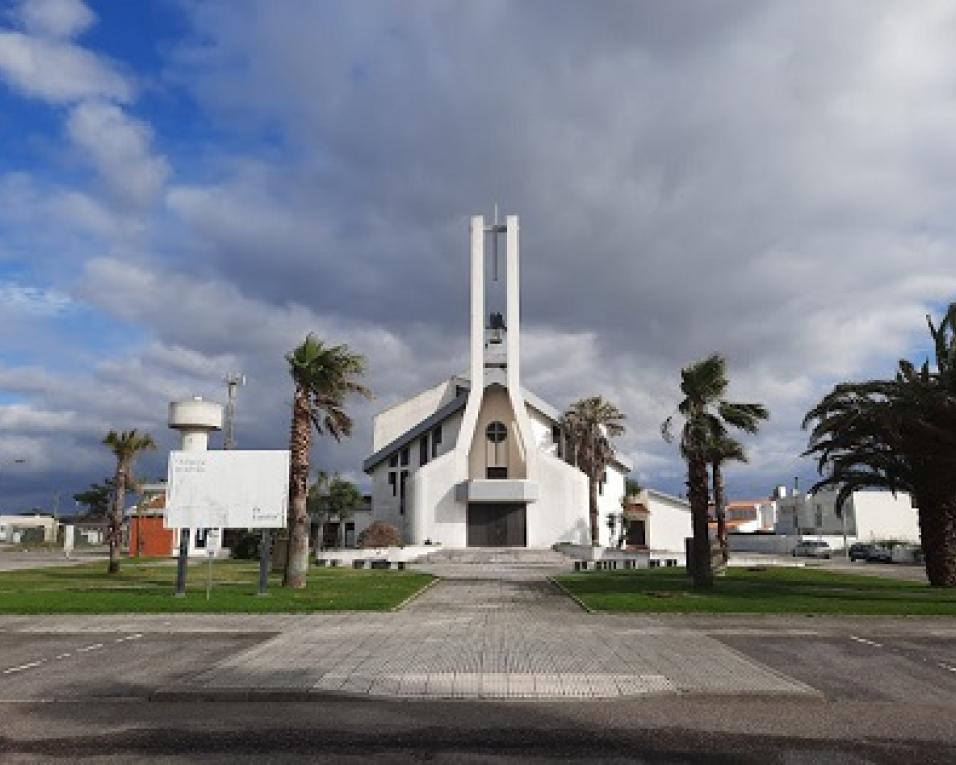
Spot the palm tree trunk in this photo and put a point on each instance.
(720, 507)
(300, 443)
(116, 517)
(593, 507)
(938, 534)
(698, 494)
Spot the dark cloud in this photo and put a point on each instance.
(769, 180)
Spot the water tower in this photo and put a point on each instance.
(195, 419)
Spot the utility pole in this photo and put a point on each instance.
(233, 381)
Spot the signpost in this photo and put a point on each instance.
(227, 489)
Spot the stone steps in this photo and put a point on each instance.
(509, 555)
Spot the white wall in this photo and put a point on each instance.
(561, 512)
(541, 431)
(879, 515)
(399, 419)
(385, 506)
(867, 515)
(609, 501)
(10, 524)
(433, 512)
(668, 522)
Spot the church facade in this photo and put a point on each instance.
(477, 460)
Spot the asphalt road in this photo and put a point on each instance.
(86, 696)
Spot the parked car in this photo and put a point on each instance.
(880, 555)
(812, 548)
(860, 551)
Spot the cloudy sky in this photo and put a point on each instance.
(187, 188)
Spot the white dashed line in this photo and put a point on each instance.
(68, 654)
(865, 641)
(29, 665)
(946, 666)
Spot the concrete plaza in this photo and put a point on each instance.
(479, 632)
(490, 664)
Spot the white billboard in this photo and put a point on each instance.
(227, 489)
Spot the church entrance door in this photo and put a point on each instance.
(496, 525)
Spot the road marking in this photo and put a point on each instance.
(29, 665)
(94, 647)
(63, 656)
(865, 641)
(946, 666)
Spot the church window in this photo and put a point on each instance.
(404, 457)
(401, 501)
(423, 450)
(391, 482)
(436, 441)
(496, 432)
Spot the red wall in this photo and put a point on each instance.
(156, 541)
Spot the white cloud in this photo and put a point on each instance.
(18, 299)
(54, 18)
(120, 148)
(771, 181)
(58, 72)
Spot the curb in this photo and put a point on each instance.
(415, 595)
(227, 695)
(571, 595)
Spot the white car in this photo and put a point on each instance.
(811, 548)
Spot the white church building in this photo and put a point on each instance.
(477, 460)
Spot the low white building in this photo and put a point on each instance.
(749, 516)
(13, 526)
(868, 516)
(477, 460)
(657, 522)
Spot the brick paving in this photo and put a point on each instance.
(487, 633)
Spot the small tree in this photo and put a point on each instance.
(590, 424)
(323, 376)
(96, 499)
(125, 446)
(334, 498)
(706, 416)
(899, 434)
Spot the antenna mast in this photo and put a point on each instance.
(233, 380)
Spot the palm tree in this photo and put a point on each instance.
(125, 446)
(900, 435)
(590, 424)
(706, 417)
(719, 451)
(323, 376)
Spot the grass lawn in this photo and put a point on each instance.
(147, 587)
(768, 591)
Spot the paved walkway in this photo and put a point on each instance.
(484, 632)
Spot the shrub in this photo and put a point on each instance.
(32, 536)
(246, 547)
(379, 534)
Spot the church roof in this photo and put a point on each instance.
(425, 426)
(455, 405)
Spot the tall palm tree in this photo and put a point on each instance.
(125, 445)
(720, 451)
(323, 376)
(900, 435)
(706, 417)
(590, 424)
